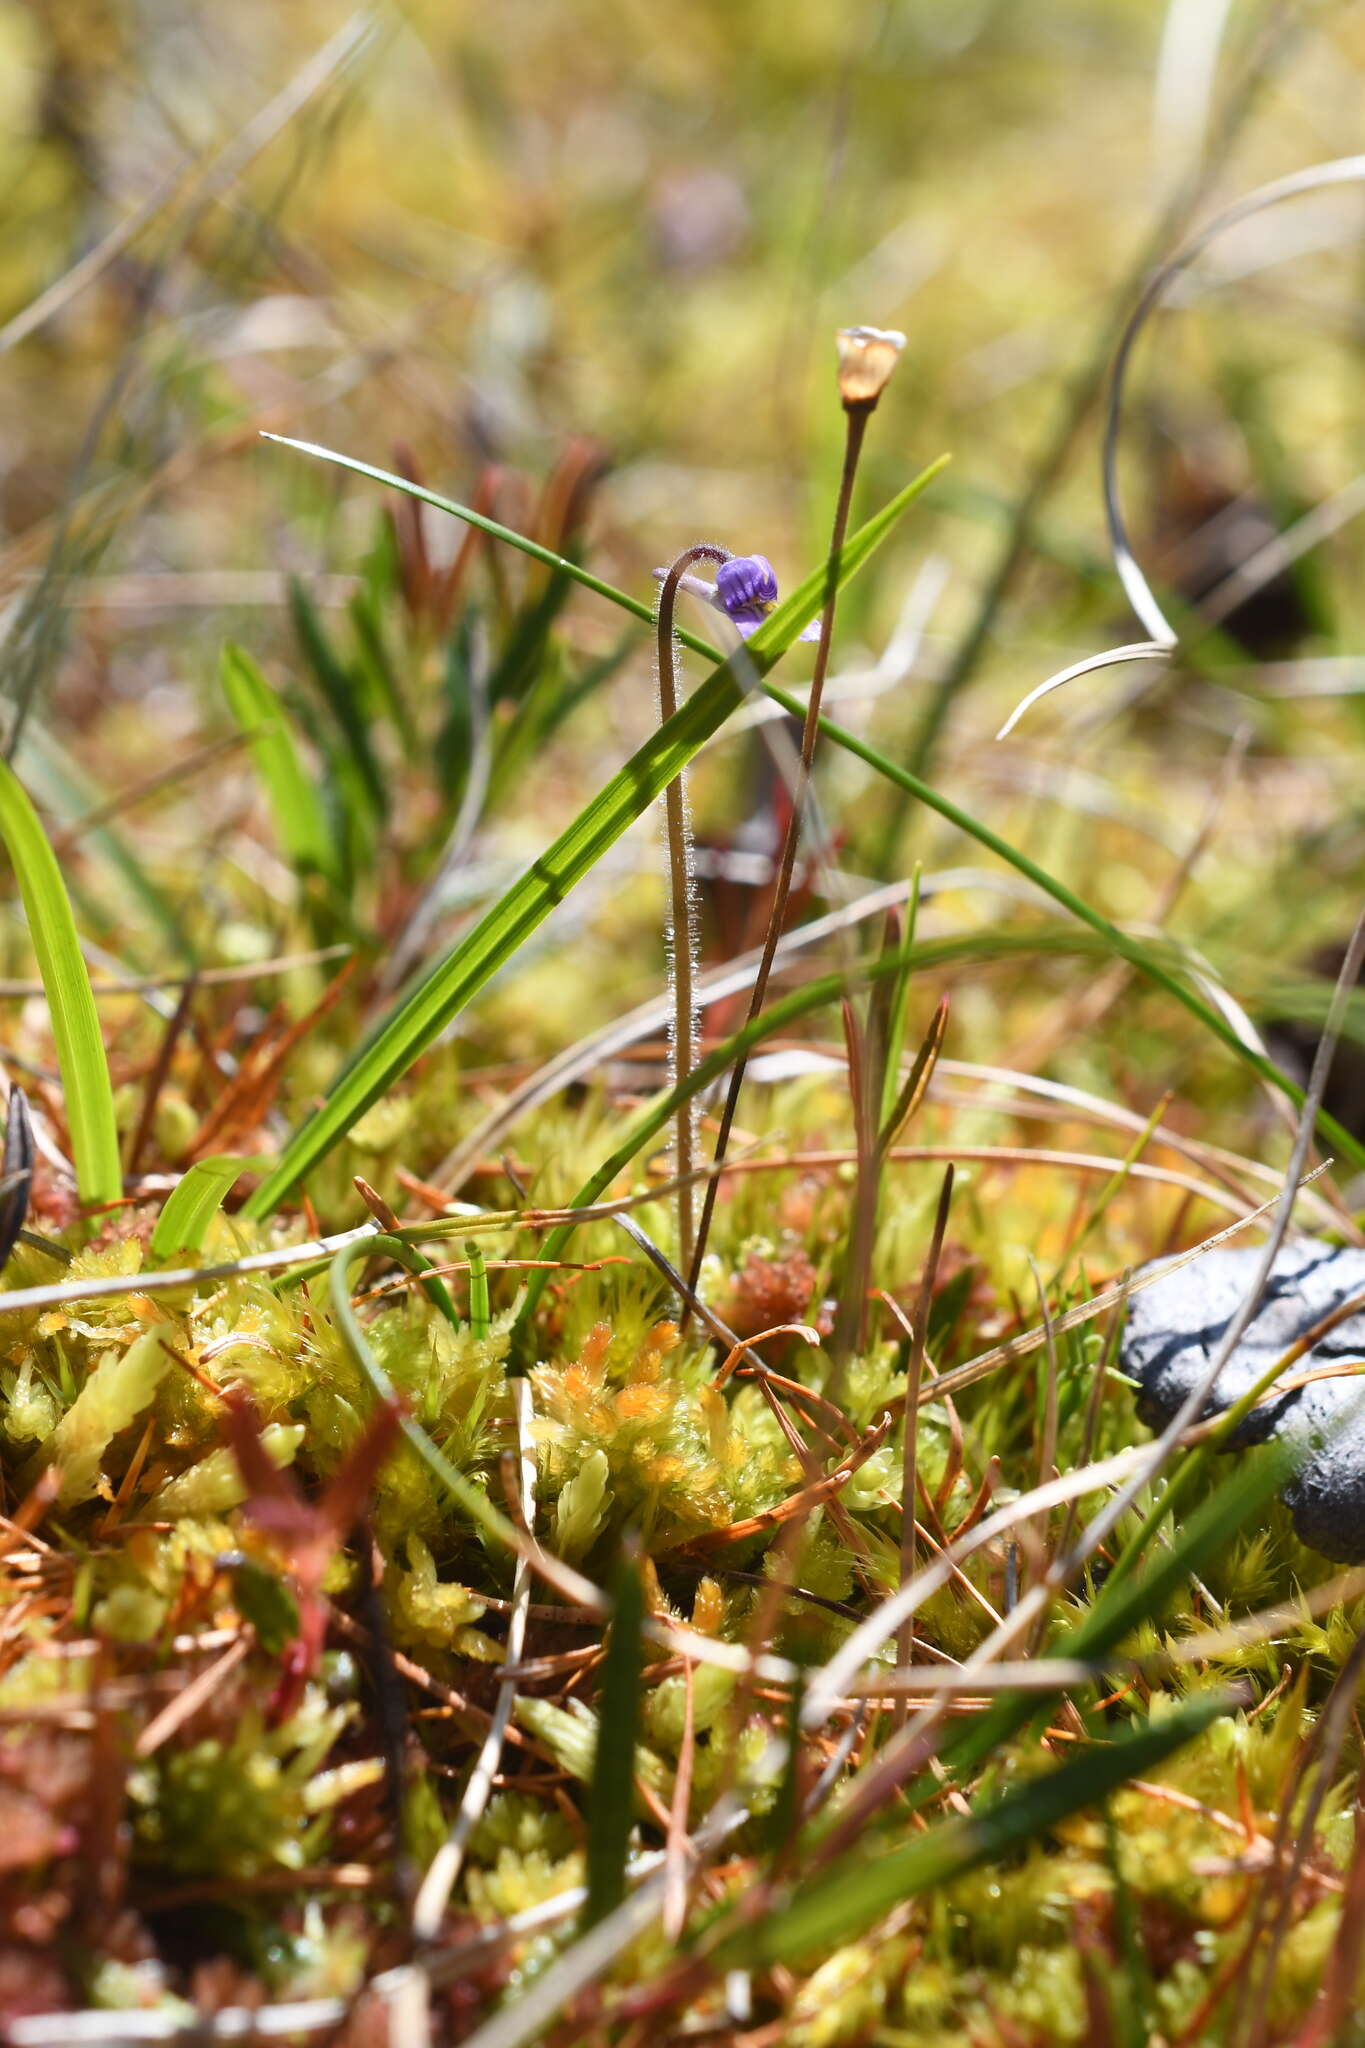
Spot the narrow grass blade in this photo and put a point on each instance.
(916, 1081)
(1141, 958)
(1123, 1604)
(424, 1011)
(191, 1207)
(1137, 956)
(337, 687)
(75, 1024)
(469, 1498)
(850, 1897)
(68, 795)
(16, 1172)
(295, 807)
(800, 1002)
(480, 1312)
(373, 658)
(611, 1793)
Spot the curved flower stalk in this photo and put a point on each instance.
(745, 591)
(866, 358)
(682, 925)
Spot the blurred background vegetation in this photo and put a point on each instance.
(580, 263)
(586, 260)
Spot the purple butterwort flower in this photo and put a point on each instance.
(745, 589)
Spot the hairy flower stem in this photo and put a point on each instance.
(857, 418)
(682, 951)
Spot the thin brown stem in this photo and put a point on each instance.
(905, 1640)
(857, 417)
(683, 942)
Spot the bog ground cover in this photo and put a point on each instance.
(680, 792)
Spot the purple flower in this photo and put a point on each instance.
(745, 589)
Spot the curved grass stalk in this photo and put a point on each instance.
(1136, 650)
(1347, 170)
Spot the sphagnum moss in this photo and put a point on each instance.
(243, 1681)
(630, 1434)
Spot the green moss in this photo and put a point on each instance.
(254, 1800)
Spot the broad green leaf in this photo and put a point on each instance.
(846, 1900)
(295, 807)
(424, 1011)
(611, 1792)
(75, 1024)
(191, 1206)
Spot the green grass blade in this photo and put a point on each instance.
(849, 1898)
(68, 795)
(771, 638)
(295, 807)
(480, 1309)
(1137, 956)
(75, 1024)
(425, 1010)
(339, 691)
(191, 1206)
(471, 1499)
(385, 691)
(611, 1792)
(776, 1017)
(1124, 1603)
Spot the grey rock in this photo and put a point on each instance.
(1174, 1328)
